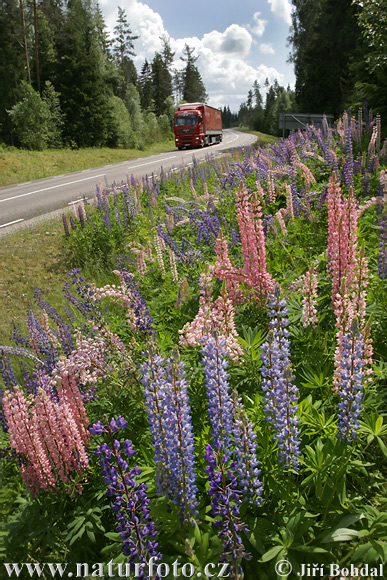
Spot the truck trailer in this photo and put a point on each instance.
(197, 125)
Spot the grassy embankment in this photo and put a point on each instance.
(35, 257)
(263, 138)
(18, 165)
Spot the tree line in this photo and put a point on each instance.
(339, 51)
(65, 82)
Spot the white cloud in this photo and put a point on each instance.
(235, 41)
(143, 21)
(221, 55)
(258, 26)
(266, 48)
(282, 9)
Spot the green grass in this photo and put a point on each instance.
(17, 165)
(30, 258)
(263, 138)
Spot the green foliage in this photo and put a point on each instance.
(31, 119)
(193, 89)
(121, 132)
(334, 508)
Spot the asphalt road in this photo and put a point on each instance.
(25, 201)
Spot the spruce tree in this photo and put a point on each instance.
(193, 87)
(123, 49)
(12, 64)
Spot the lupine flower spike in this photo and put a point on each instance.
(131, 503)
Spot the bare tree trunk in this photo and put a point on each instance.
(36, 48)
(25, 41)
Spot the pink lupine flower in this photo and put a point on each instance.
(342, 236)
(49, 436)
(172, 262)
(159, 243)
(192, 188)
(271, 185)
(254, 273)
(141, 264)
(289, 202)
(279, 215)
(212, 317)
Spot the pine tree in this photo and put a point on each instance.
(193, 88)
(81, 78)
(12, 63)
(145, 85)
(324, 38)
(123, 49)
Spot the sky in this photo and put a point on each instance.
(236, 41)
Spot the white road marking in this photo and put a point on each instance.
(10, 223)
(52, 187)
(77, 200)
(150, 162)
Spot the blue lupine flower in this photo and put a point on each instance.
(246, 455)
(220, 405)
(280, 394)
(225, 501)
(169, 418)
(351, 385)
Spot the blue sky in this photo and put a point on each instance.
(236, 42)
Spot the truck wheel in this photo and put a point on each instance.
(180, 148)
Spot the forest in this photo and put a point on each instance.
(67, 83)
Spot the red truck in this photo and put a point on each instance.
(197, 125)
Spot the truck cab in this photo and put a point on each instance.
(197, 125)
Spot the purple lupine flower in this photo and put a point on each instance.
(351, 385)
(281, 395)
(225, 502)
(173, 245)
(382, 251)
(155, 388)
(81, 215)
(348, 163)
(219, 401)
(294, 192)
(169, 418)
(179, 441)
(116, 210)
(246, 454)
(65, 225)
(131, 503)
(6, 371)
(143, 318)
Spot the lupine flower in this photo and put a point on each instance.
(212, 317)
(142, 317)
(342, 236)
(220, 405)
(351, 386)
(65, 225)
(277, 383)
(49, 436)
(131, 503)
(350, 303)
(245, 451)
(169, 418)
(225, 502)
(254, 273)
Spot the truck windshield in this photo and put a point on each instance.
(186, 120)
